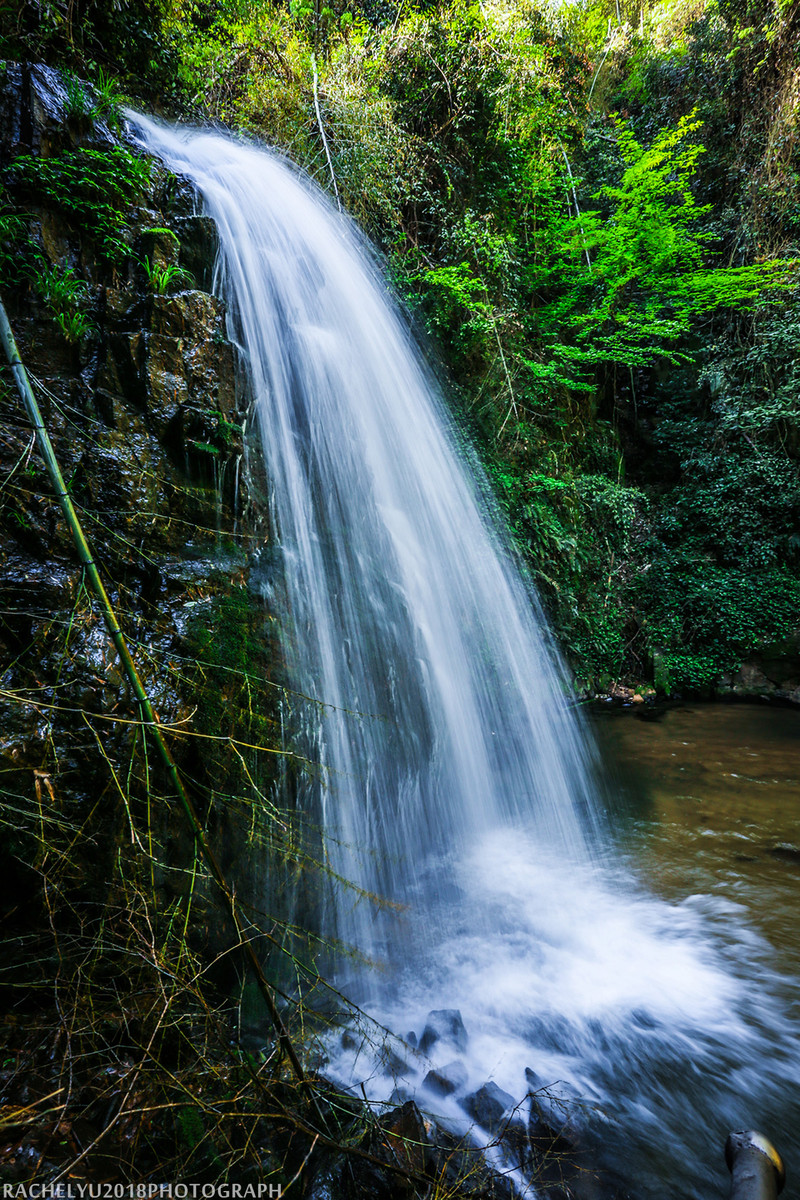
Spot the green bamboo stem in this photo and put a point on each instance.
(148, 716)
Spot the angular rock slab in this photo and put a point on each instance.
(443, 1025)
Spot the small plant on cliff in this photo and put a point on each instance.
(77, 105)
(17, 251)
(107, 99)
(74, 326)
(95, 102)
(163, 279)
(66, 296)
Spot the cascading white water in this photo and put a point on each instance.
(456, 782)
(405, 616)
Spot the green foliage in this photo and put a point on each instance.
(107, 99)
(92, 38)
(77, 104)
(100, 101)
(621, 288)
(603, 287)
(92, 189)
(166, 278)
(74, 326)
(67, 298)
(229, 641)
(579, 532)
(724, 540)
(17, 252)
(462, 314)
(23, 264)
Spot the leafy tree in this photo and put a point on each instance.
(623, 288)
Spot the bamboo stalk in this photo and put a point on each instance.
(148, 717)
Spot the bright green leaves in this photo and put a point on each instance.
(92, 192)
(621, 287)
(462, 314)
(67, 297)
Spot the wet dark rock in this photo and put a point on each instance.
(394, 1063)
(458, 1158)
(53, 583)
(443, 1025)
(145, 418)
(787, 852)
(186, 314)
(404, 1138)
(11, 111)
(555, 1120)
(489, 1106)
(160, 246)
(165, 379)
(446, 1080)
(174, 195)
(47, 101)
(125, 306)
(35, 116)
(198, 246)
(121, 375)
(411, 1038)
(772, 672)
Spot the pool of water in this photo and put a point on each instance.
(710, 802)
(706, 803)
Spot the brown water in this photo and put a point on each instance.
(708, 798)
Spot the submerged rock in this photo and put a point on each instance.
(555, 1118)
(787, 851)
(443, 1025)
(350, 1041)
(488, 1106)
(458, 1160)
(446, 1080)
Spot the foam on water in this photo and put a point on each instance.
(667, 1022)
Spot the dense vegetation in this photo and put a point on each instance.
(594, 212)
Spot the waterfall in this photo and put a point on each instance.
(442, 709)
(454, 782)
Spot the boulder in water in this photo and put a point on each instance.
(395, 1064)
(488, 1106)
(405, 1138)
(446, 1080)
(443, 1025)
(459, 1161)
(350, 1041)
(554, 1122)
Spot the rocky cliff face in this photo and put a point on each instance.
(140, 392)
